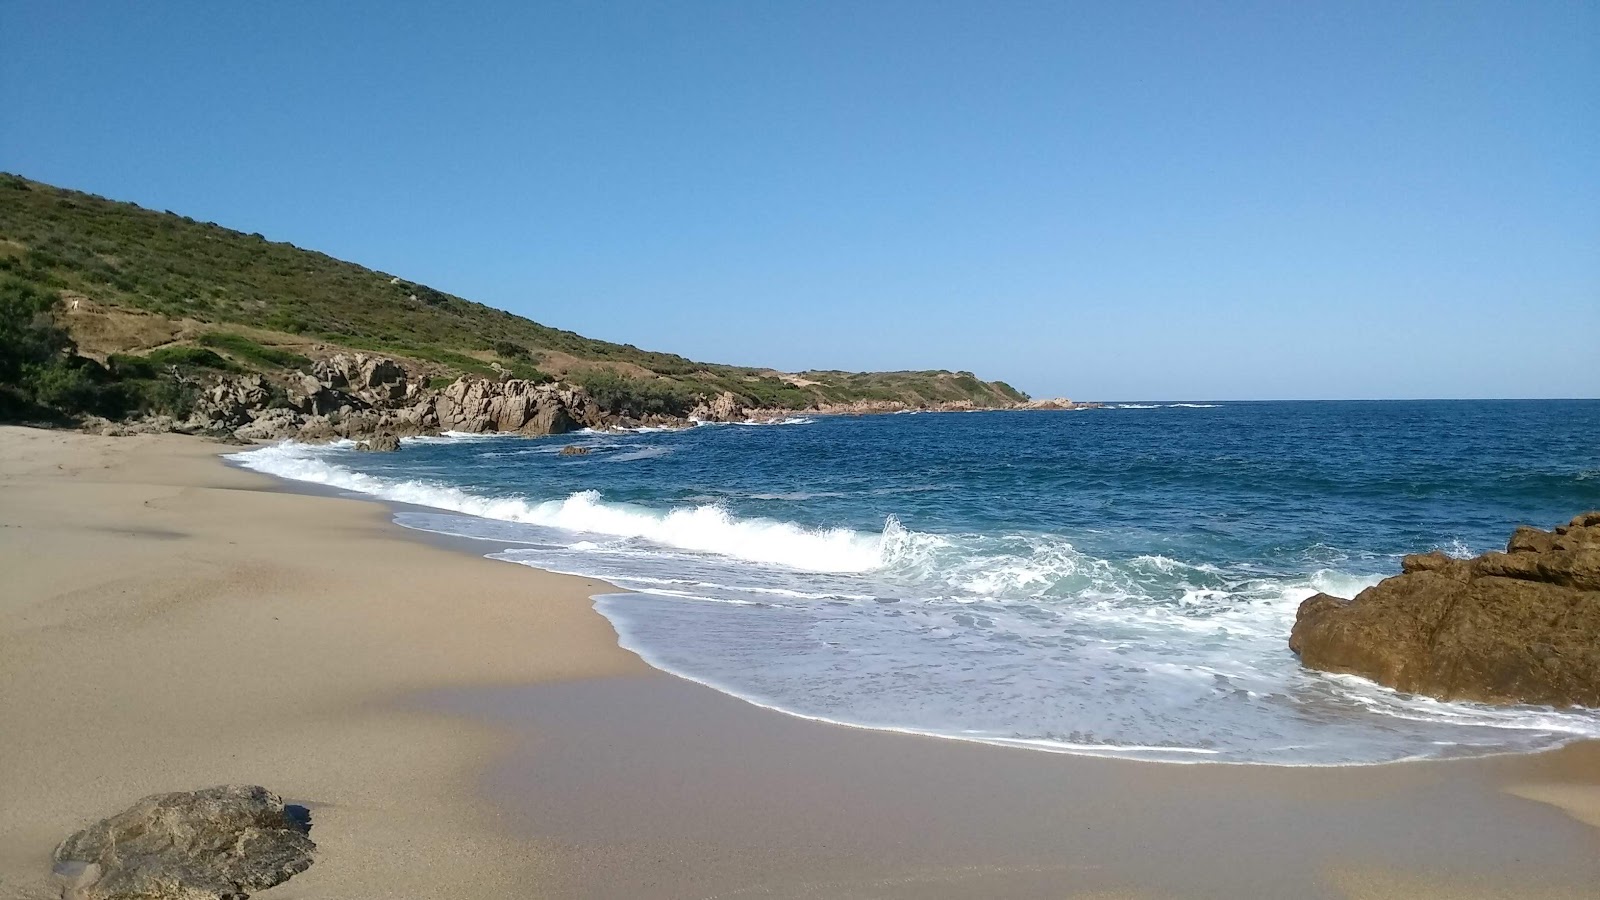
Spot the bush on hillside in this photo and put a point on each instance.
(41, 374)
(243, 348)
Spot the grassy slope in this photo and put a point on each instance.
(163, 279)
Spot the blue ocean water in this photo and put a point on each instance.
(1118, 581)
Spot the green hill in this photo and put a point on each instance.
(135, 281)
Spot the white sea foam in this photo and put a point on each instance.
(759, 423)
(1192, 406)
(706, 528)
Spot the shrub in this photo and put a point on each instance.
(41, 374)
(156, 363)
(244, 348)
(621, 395)
(510, 350)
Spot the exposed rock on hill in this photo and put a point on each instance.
(1516, 627)
(220, 843)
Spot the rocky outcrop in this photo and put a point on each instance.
(725, 407)
(357, 396)
(1057, 403)
(1521, 626)
(511, 406)
(380, 443)
(220, 843)
(352, 381)
(232, 402)
(574, 451)
(270, 424)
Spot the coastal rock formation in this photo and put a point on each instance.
(270, 425)
(354, 381)
(511, 406)
(220, 843)
(1057, 403)
(574, 451)
(725, 407)
(231, 402)
(357, 396)
(1521, 626)
(380, 443)
(314, 397)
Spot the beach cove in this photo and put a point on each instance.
(460, 727)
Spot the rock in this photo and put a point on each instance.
(356, 380)
(271, 425)
(725, 407)
(230, 402)
(1056, 403)
(381, 443)
(574, 451)
(314, 398)
(1516, 627)
(220, 843)
(339, 371)
(317, 430)
(512, 406)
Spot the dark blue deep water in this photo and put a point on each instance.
(1117, 581)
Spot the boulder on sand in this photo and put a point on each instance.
(220, 843)
(1516, 627)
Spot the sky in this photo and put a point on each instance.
(1097, 200)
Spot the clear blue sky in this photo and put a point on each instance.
(1118, 201)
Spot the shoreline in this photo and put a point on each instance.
(587, 772)
(472, 545)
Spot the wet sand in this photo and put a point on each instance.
(664, 788)
(466, 728)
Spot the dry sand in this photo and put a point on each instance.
(465, 728)
(168, 623)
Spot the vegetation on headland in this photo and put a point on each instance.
(98, 285)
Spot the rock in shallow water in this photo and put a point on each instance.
(220, 843)
(380, 443)
(1516, 627)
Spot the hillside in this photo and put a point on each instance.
(135, 281)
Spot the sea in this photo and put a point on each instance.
(1112, 582)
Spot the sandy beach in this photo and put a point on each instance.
(170, 622)
(465, 728)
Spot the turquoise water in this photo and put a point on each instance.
(1115, 582)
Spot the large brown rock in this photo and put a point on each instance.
(1516, 627)
(220, 843)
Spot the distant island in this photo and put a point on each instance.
(152, 317)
